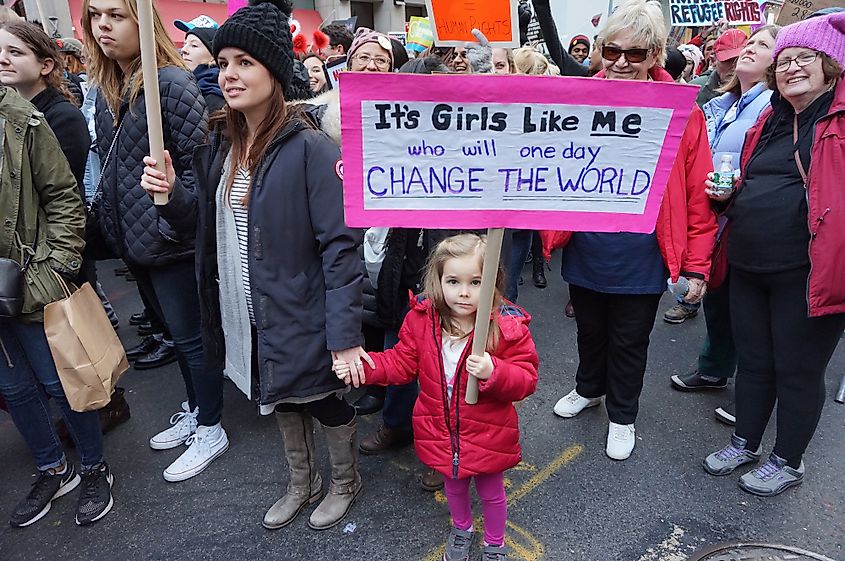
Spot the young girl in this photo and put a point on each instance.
(461, 441)
(156, 242)
(279, 272)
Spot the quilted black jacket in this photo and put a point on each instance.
(132, 226)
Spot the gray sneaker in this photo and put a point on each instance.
(458, 545)
(772, 478)
(494, 553)
(730, 457)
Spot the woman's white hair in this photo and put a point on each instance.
(528, 60)
(644, 19)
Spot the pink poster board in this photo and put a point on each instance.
(525, 152)
(235, 5)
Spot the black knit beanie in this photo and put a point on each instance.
(205, 35)
(262, 29)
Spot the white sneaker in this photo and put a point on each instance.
(571, 404)
(203, 447)
(620, 441)
(184, 424)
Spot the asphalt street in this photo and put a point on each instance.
(568, 500)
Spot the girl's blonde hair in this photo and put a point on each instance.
(456, 247)
(529, 60)
(644, 19)
(107, 74)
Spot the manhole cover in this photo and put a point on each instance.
(756, 552)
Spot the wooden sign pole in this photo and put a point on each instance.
(42, 16)
(152, 98)
(485, 304)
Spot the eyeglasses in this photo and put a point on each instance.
(364, 60)
(802, 60)
(631, 55)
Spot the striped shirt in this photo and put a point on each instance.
(240, 187)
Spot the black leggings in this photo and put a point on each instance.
(331, 411)
(782, 355)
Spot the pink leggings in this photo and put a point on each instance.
(494, 504)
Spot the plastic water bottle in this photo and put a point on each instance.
(724, 178)
(678, 289)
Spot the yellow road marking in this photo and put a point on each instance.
(541, 476)
(534, 550)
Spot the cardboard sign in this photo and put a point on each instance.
(797, 10)
(454, 21)
(530, 152)
(400, 36)
(349, 23)
(420, 34)
(697, 13)
(333, 69)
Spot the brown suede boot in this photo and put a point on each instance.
(305, 485)
(346, 481)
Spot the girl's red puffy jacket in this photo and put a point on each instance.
(457, 439)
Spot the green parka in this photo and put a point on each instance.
(37, 192)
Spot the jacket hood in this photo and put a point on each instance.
(511, 316)
(206, 76)
(327, 116)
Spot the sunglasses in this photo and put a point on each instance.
(631, 55)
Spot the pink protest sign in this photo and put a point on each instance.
(528, 152)
(235, 5)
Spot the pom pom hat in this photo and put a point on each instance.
(823, 34)
(262, 29)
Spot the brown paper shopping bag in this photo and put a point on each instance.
(88, 354)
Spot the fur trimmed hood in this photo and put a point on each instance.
(328, 112)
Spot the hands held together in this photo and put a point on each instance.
(348, 366)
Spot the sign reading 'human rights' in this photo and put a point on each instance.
(596, 162)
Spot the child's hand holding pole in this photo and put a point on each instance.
(480, 366)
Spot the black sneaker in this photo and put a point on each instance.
(694, 381)
(726, 414)
(147, 345)
(45, 489)
(95, 499)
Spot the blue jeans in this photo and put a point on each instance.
(520, 246)
(399, 400)
(171, 290)
(27, 378)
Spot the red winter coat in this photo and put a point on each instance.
(457, 439)
(825, 206)
(686, 223)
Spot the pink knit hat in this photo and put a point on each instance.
(364, 35)
(823, 34)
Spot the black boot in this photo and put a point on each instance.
(539, 275)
